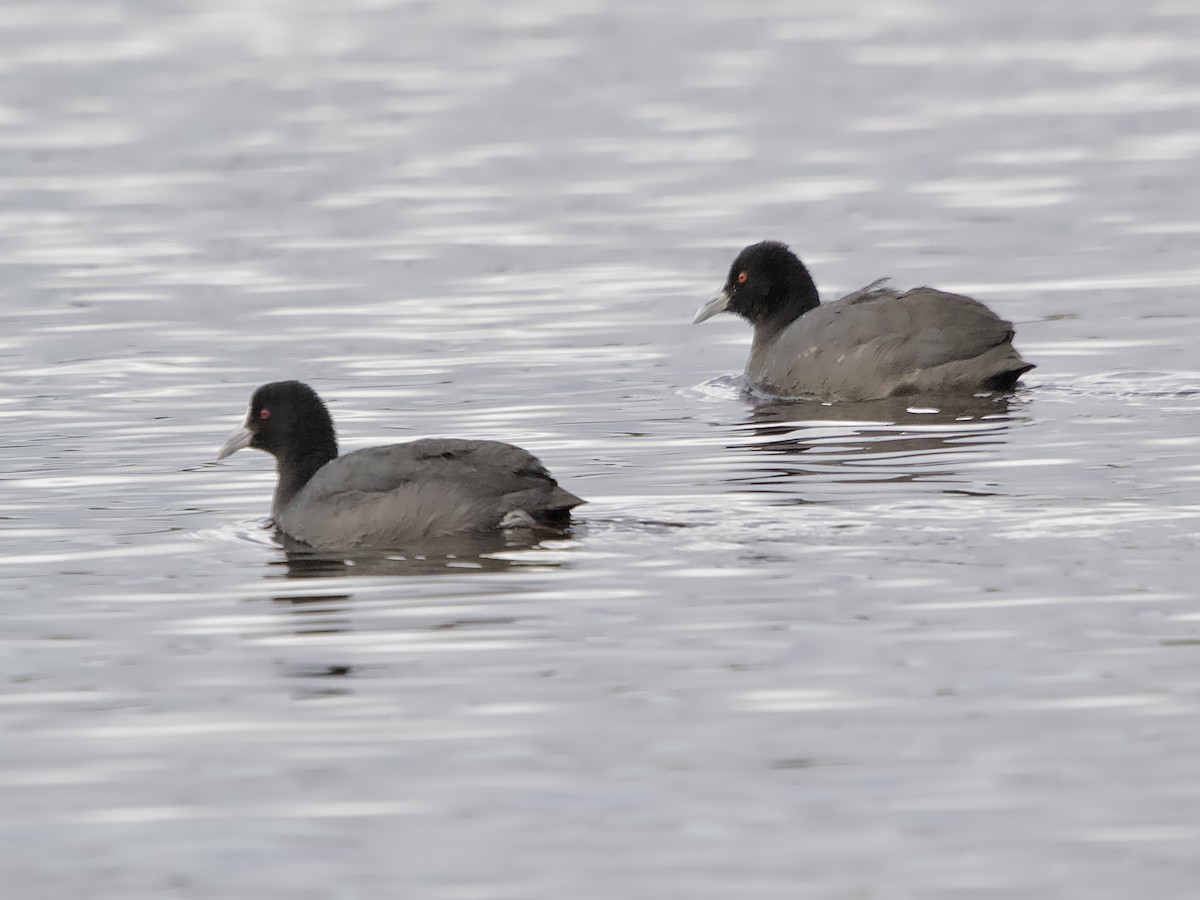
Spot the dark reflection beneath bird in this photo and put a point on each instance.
(880, 441)
(454, 555)
(890, 410)
(874, 343)
(400, 496)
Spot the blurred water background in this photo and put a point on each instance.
(887, 651)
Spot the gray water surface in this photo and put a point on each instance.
(886, 651)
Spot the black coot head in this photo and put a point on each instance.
(766, 282)
(286, 418)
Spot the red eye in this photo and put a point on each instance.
(264, 414)
(742, 276)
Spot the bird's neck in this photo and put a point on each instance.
(791, 298)
(766, 329)
(295, 471)
(764, 335)
(799, 295)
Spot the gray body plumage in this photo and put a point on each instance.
(878, 342)
(392, 496)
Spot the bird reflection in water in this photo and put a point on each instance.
(896, 440)
(456, 555)
(323, 613)
(460, 556)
